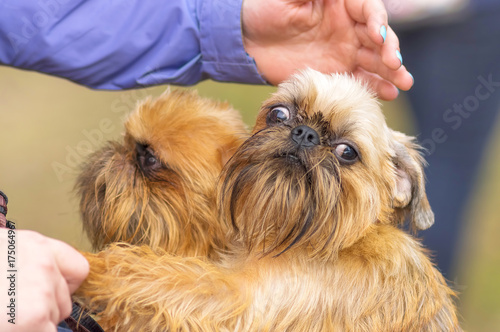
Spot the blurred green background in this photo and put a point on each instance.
(48, 125)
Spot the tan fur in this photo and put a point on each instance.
(314, 243)
(171, 206)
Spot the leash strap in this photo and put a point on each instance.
(4, 223)
(80, 320)
(3, 210)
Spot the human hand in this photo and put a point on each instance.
(47, 272)
(327, 35)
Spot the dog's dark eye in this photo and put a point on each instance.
(146, 159)
(346, 153)
(150, 160)
(278, 114)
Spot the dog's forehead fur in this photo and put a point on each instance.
(182, 127)
(350, 109)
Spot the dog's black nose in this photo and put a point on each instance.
(304, 136)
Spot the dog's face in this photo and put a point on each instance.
(157, 186)
(321, 168)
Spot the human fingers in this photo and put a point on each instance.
(390, 52)
(73, 266)
(384, 89)
(43, 296)
(40, 319)
(373, 14)
(362, 33)
(63, 298)
(372, 62)
(44, 279)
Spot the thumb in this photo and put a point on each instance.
(73, 266)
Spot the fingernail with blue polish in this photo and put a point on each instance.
(412, 77)
(383, 32)
(398, 54)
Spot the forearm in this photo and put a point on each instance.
(126, 44)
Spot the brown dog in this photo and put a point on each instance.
(314, 198)
(157, 186)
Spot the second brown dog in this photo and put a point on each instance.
(157, 186)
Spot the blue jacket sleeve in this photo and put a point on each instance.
(119, 44)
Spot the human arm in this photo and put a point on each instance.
(125, 44)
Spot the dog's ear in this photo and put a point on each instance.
(409, 192)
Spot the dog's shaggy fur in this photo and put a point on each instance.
(314, 199)
(157, 186)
